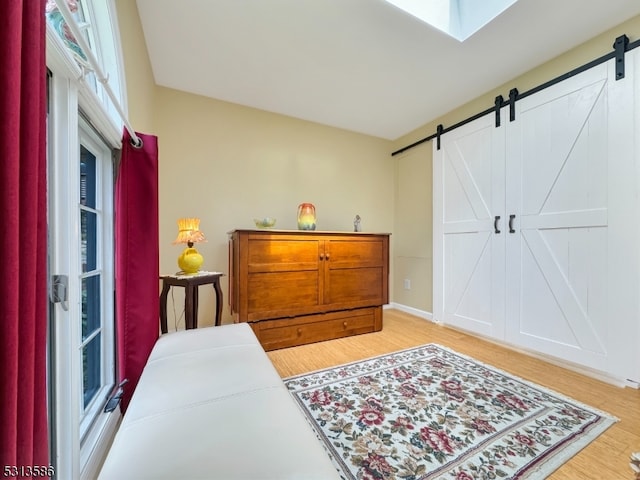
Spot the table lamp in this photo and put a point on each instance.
(189, 232)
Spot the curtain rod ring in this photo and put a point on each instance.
(136, 144)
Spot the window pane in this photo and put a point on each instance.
(88, 240)
(57, 21)
(91, 357)
(88, 220)
(87, 178)
(90, 305)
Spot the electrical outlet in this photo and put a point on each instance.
(407, 284)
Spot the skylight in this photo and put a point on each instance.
(457, 18)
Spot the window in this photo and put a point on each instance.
(96, 339)
(96, 21)
(457, 18)
(83, 132)
(92, 321)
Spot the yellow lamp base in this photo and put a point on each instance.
(190, 261)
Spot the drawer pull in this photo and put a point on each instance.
(299, 331)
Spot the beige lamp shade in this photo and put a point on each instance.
(189, 231)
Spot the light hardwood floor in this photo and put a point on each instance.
(607, 458)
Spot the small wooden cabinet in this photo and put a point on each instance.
(298, 287)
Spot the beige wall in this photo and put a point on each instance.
(228, 164)
(413, 229)
(413, 215)
(141, 86)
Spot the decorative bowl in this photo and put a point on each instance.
(266, 222)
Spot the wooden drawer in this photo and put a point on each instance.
(288, 332)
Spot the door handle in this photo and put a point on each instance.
(511, 218)
(495, 224)
(59, 289)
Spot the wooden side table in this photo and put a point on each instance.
(190, 284)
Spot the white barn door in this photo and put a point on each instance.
(468, 254)
(559, 272)
(570, 184)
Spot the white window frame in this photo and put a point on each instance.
(105, 261)
(79, 445)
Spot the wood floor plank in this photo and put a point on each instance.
(606, 458)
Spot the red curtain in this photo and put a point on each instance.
(137, 258)
(23, 242)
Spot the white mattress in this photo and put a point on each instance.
(210, 405)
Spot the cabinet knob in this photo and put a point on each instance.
(344, 324)
(327, 256)
(299, 331)
(322, 256)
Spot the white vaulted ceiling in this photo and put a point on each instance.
(360, 65)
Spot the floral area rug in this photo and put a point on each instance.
(431, 413)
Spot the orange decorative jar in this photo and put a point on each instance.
(306, 216)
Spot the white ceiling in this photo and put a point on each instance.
(360, 65)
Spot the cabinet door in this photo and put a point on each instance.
(468, 189)
(570, 155)
(283, 276)
(355, 271)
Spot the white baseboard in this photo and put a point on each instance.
(411, 310)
